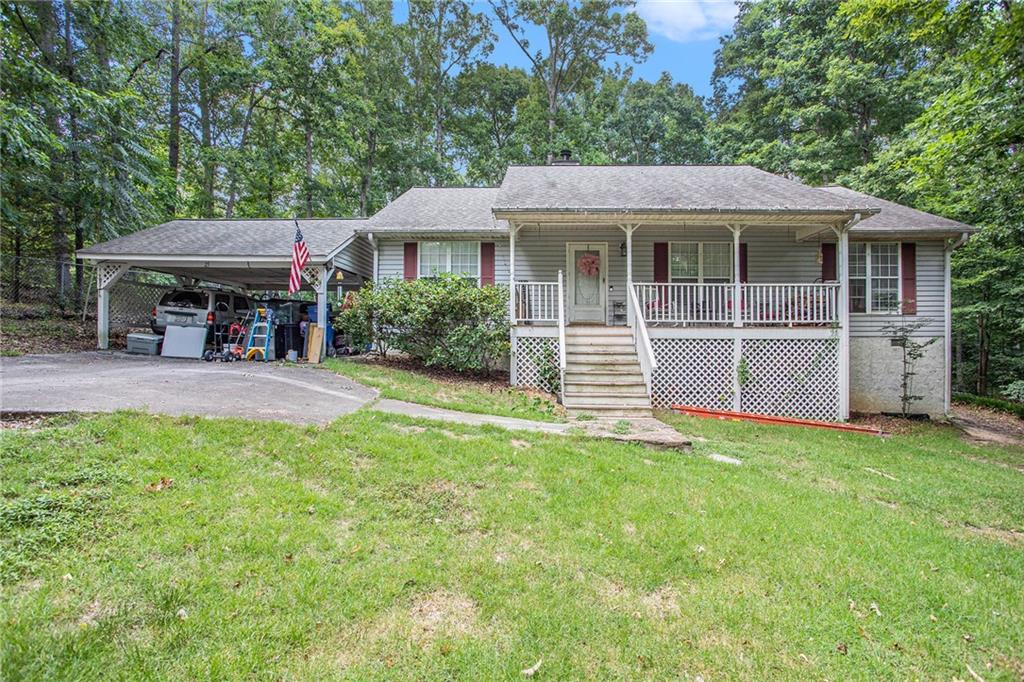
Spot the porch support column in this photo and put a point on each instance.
(513, 378)
(319, 277)
(512, 229)
(737, 287)
(629, 230)
(843, 271)
(107, 275)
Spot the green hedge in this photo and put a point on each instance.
(444, 321)
(995, 403)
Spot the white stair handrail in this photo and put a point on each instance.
(642, 341)
(561, 338)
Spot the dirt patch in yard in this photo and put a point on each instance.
(444, 612)
(662, 602)
(984, 425)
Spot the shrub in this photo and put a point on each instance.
(444, 321)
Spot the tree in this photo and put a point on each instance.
(658, 123)
(446, 36)
(579, 39)
(487, 99)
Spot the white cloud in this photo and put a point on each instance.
(687, 20)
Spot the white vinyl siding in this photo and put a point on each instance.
(773, 255)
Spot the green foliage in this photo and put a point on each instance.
(548, 371)
(445, 321)
(1009, 406)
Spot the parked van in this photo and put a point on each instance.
(197, 307)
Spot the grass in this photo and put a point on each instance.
(448, 391)
(383, 547)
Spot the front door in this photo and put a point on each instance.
(587, 265)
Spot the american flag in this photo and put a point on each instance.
(300, 256)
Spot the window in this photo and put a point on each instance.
(184, 299)
(459, 258)
(241, 304)
(875, 277)
(708, 262)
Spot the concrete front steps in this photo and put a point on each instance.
(602, 374)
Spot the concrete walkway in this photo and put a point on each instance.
(299, 394)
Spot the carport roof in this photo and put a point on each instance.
(228, 239)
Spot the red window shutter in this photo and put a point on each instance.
(743, 262)
(828, 262)
(411, 261)
(908, 268)
(660, 261)
(486, 263)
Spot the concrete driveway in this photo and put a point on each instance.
(105, 382)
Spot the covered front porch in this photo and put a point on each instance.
(680, 275)
(734, 316)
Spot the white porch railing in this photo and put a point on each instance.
(642, 342)
(760, 304)
(537, 301)
(686, 303)
(790, 304)
(561, 339)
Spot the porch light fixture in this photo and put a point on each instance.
(622, 249)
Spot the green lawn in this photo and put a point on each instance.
(449, 391)
(382, 547)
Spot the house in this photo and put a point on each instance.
(638, 286)
(713, 286)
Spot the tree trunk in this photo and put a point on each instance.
(367, 175)
(229, 210)
(16, 285)
(174, 133)
(205, 123)
(308, 130)
(76, 161)
(981, 387)
(47, 45)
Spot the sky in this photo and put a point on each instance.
(684, 33)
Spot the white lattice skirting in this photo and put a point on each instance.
(783, 377)
(533, 354)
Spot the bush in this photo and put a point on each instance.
(446, 321)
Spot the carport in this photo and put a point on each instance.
(247, 255)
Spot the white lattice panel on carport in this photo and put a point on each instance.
(791, 378)
(696, 372)
(531, 354)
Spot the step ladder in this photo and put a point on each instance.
(261, 336)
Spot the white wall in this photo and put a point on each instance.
(876, 371)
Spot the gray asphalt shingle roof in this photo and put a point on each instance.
(264, 238)
(439, 209)
(696, 189)
(897, 217)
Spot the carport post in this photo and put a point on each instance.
(107, 275)
(323, 276)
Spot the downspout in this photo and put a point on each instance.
(376, 255)
(947, 285)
